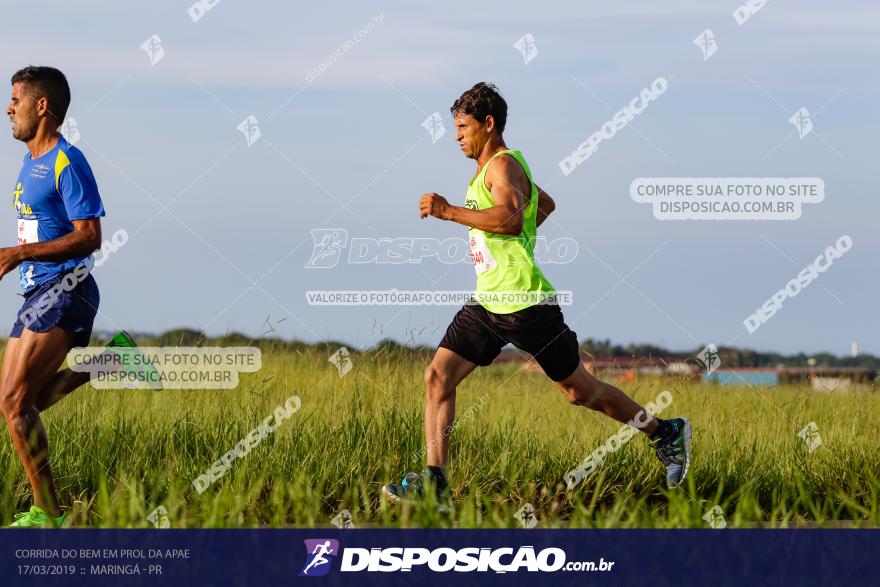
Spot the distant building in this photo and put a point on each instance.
(819, 378)
(748, 377)
(627, 369)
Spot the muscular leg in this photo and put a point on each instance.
(582, 389)
(29, 366)
(61, 384)
(9, 354)
(442, 377)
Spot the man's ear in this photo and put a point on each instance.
(43, 106)
(489, 122)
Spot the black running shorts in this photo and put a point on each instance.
(478, 335)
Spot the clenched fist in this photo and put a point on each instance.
(9, 260)
(433, 205)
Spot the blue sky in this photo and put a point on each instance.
(240, 216)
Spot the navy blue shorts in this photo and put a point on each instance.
(45, 308)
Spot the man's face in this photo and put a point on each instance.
(471, 134)
(23, 113)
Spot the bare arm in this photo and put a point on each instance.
(508, 184)
(546, 205)
(85, 238)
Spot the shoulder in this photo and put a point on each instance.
(71, 154)
(73, 161)
(71, 165)
(505, 167)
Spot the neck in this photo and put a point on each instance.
(494, 145)
(43, 142)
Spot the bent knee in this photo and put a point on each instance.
(438, 385)
(582, 395)
(576, 397)
(9, 405)
(13, 403)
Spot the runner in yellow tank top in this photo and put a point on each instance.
(502, 211)
(508, 279)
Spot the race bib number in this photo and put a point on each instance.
(27, 231)
(480, 254)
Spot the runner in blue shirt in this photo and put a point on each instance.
(59, 209)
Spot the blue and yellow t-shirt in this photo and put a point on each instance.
(52, 190)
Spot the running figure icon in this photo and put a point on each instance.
(320, 550)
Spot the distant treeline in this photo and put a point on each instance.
(189, 337)
(730, 356)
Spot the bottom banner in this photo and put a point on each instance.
(429, 557)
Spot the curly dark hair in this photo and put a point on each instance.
(46, 82)
(480, 101)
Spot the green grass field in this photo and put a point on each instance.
(117, 455)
